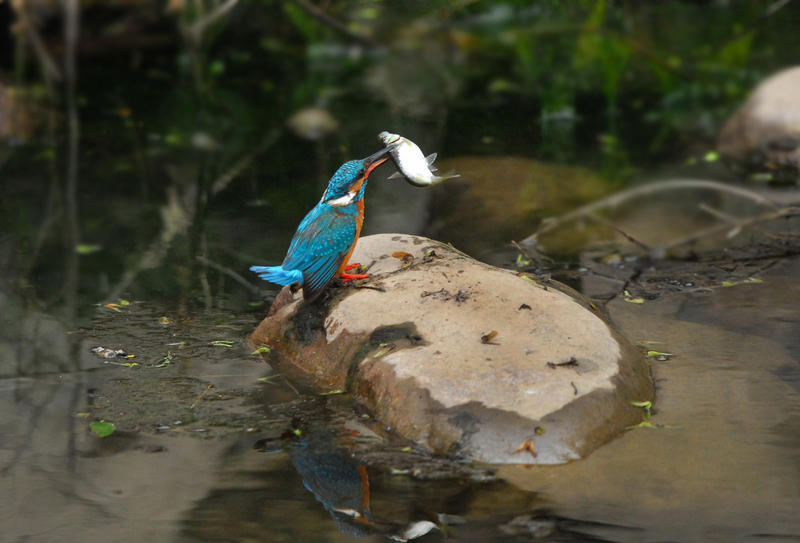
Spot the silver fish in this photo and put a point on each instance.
(411, 163)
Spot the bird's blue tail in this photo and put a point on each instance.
(276, 274)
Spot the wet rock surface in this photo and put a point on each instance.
(462, 357)
(764, 134)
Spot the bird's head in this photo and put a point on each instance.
(349, 182)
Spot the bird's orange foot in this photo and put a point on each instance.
(346, 277)
(352, 266)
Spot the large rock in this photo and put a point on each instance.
(764, 134)
(463, 357)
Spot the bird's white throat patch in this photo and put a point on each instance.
(347, 199)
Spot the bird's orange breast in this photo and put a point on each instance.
(359, 223)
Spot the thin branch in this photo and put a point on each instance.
(620, 231)
(71, 28)
(335, 24)
(783, 213)
(198, 28)
(230, 273)
(589, 210)
(231, 173)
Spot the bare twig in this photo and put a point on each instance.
(71, 27)
(200, 397)
(335, 24)
(230, 273)
(782, 213)
(589, 210)
(231, 173)
(196, 30)
(620, 231)
(539, 258)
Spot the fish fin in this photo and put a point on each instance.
(449, 175)
(396, 175)
(278, 275)
(430, 159)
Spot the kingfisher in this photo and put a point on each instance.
(326, 237)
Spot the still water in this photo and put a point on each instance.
(136, 232)
(201, 452)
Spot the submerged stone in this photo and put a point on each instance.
(763, 135)
(462, 357)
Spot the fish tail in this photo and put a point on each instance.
(445, 176)
(278, 275)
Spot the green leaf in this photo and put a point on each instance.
(261, 350)
(124, 303)
(297, 431)
(711, 156)
(628, 297)
(87, 248)
(754, 280)
(659, 355)
(102, 428)
(222, 343)
(125, 364)
(643, 424)
(166, 361)
(646, 404)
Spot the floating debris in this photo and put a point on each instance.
(166, 361)
(102, 428)
(660, 356)
(647, 406)
(753, 280)
(628, 297)
(104, 352)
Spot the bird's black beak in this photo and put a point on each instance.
(376, 156)
(376, 159)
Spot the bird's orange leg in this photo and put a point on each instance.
(350, 276)
(346, 277)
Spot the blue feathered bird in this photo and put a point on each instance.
(327, 236)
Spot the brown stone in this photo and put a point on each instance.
(764, 134)
(463, 357)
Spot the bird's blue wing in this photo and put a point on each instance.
(320, 245)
